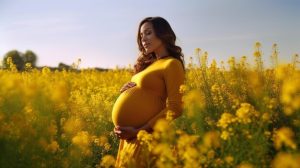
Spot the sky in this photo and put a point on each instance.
(102, 33)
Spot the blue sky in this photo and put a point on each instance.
(103, 33)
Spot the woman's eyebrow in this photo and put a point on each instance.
(147, 29)
(141, 33)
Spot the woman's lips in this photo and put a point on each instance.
(146, 45)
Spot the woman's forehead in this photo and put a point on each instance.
(146, 26)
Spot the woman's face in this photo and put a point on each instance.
(150, 41)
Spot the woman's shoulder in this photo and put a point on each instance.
(173, 69)
(171, 61)
(173, 65)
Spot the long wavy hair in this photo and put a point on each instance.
(164, 32)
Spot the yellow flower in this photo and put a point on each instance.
(282, 72)
(213, 65)
(219, 162)
(145, 138)
(191, 158)
(197, 51)
(266, 117)
(193, 98)
(267, 133)
(81, 140)
(53, 146)
(164, 152)
(245, 112)
(170, 115)
(46, 71)
(284, 136)
(28, 66)
(101, 141)
(211, 139)
(225, 135)
(290, 94)
(215, 88)
(73, 125)
(52, 129)
(182, 89)
(163, 130)
(211, 154)
(225, 120)
(257, 44)
(107, 161)
(245, 165)
(231, 62)
(186, 140)
(286, 160)
(161, 125)
(229, 159)
(60, 92)
(257, 54)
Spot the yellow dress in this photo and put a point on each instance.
(156, 91)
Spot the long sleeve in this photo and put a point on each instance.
(174, 77)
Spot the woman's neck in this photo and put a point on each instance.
(161, 53)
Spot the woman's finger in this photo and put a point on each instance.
(124, 87)
(132, 84)
(127, 86)
(117, 131)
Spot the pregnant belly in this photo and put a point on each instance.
(135, 106)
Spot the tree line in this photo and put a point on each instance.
(21, 60)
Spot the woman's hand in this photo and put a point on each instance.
(127, 86)
(127, 133)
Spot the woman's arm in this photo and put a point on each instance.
(174, 77)
(150, 124)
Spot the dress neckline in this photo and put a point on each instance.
(163, 57)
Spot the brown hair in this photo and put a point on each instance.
(164, 32)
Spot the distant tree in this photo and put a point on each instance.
(62, 66)
(30, 57)
(16, 58)
(20, 59)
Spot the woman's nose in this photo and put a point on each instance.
(144, 38)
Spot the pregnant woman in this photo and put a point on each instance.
(152, 91)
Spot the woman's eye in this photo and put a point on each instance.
(146, 33)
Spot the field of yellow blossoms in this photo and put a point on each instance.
(236, 114)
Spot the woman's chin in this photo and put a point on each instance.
(148, 52)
